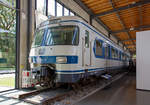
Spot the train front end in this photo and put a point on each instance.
(55, 51)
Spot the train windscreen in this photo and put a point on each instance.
(62, 35)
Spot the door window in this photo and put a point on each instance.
(86, 39)
(99, 50)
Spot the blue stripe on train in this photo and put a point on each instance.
(74, 77)
(67, 71)
(52, 59)
(94, 69)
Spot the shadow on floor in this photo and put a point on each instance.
(6, 98)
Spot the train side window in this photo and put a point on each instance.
(119, 55)
(115, 55)
(113, 52)
(123, 56)
(86, 39)
(99, 50)
(107, 51)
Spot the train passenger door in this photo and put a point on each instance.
(87, 58)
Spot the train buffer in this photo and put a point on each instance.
(106, 76)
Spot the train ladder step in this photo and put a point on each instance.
(106, 76)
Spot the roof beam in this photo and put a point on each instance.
(130, 44)
(134, 4)
(85, 8)
(140, 15)
(121, 22)
(127, 40)
(131, 29)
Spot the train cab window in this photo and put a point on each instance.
(38, 38)
(62, 35)
(99, 50)
(86, 39)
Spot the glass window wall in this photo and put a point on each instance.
(7, 45)
(51, 7)
(41, 6)
(59, 9)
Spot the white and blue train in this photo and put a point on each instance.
(67, 49)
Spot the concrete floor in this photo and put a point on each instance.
(7, 98)
(122, 92)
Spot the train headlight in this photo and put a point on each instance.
(61, 59)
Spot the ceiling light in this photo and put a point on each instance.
(133, 2)
(132, 28)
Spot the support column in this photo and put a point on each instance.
(24, 35)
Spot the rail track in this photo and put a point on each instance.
(61, 96)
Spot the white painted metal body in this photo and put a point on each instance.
(87, 60)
